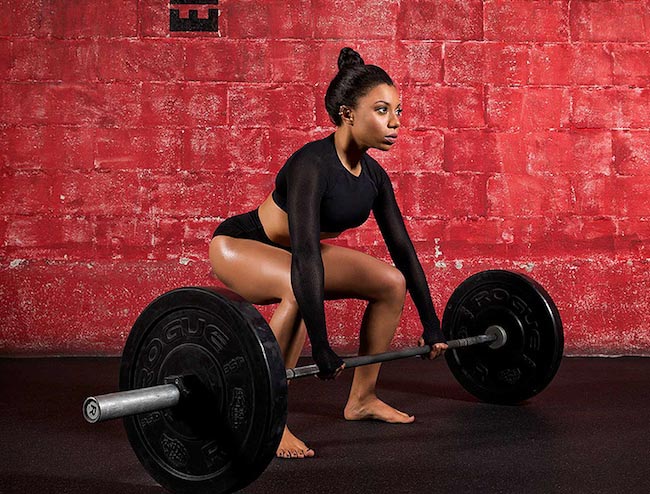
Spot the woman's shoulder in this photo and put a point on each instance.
(317, 148)
(313, 155)
(313, 150)
(311, 160)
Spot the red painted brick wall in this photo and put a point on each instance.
(526, 146)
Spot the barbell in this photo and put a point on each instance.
(203, 388)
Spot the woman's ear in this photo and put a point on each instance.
(347, 115)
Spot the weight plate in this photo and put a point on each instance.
(225, 432)
(528, 361)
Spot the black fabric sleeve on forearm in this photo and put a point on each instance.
(391, 224)
(305, 188)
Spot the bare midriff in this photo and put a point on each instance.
(276, 223)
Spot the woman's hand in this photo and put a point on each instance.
(327, 377)
(436, 350)
(328, 362)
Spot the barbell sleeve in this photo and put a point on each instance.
(125, 403)
(311, 370)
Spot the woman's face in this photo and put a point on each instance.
(375, 118)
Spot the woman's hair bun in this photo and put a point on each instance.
(349, 58)
(353, 80)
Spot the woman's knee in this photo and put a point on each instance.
(393, 286)
(286, 318)
(289, 302)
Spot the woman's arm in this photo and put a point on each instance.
(305, 188)
(391, 224)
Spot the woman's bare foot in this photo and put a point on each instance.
(372, 408)
(292, 447)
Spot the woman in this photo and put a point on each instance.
(274, 254)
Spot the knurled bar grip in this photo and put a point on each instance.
(125, 403)
(132, 402)
(310, 370)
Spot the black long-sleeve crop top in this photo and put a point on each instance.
(320, 195)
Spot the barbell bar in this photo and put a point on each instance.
(495, 335)
(155, 398)
(203, 388)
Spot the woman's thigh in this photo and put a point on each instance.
(258, 272)
(262, 273)
(353, 274)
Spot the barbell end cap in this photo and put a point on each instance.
(91, 410)
(500, 334)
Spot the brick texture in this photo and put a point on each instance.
(525, 20)
(525, 145)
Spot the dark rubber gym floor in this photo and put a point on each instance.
(587, 432)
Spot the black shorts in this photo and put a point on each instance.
(247, 225)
